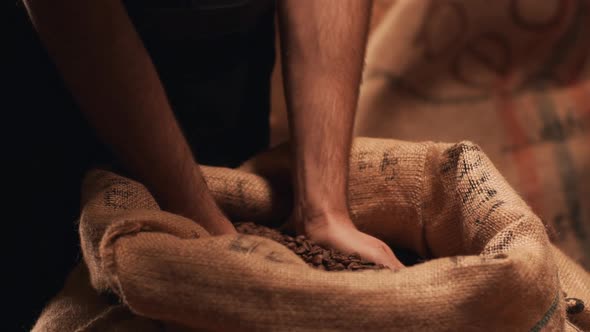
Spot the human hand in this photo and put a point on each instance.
(337, 231)
(220, 226)
(204, 212)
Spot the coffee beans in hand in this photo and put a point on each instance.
(314, 255)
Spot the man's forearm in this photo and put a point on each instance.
(110, 74)
(323, 44)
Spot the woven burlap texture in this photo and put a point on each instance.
(490, 263)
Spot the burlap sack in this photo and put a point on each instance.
(491, 265)
(78, 307)
(511, 76)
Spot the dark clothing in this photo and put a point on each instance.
(214, 57)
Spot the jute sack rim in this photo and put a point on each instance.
(125, 236)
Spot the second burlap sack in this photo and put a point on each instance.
(513, 76)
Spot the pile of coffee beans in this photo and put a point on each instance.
(313, 254)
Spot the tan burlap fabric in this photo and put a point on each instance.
(78, 307)
(490, 265)
(513, 76)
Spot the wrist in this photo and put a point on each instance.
(306, 213)
(206, 213)
(186, 193)
(320, 197)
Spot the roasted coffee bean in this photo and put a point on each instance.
(339, 257)
(299, 251)
(329, 263)
(317, 259)
(352, 265)
(354, 256)
(339, 267)
(315, 250)
(306, 245)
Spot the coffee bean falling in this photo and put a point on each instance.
(313, 254)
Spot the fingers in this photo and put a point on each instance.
(221, 228)
(384, 255)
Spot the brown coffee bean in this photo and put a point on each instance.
(317, 259)
(306, 245)
(338, 267)
(339, 257)
(299, 250)
(330, 263)
(315, 251)
(354, 256)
